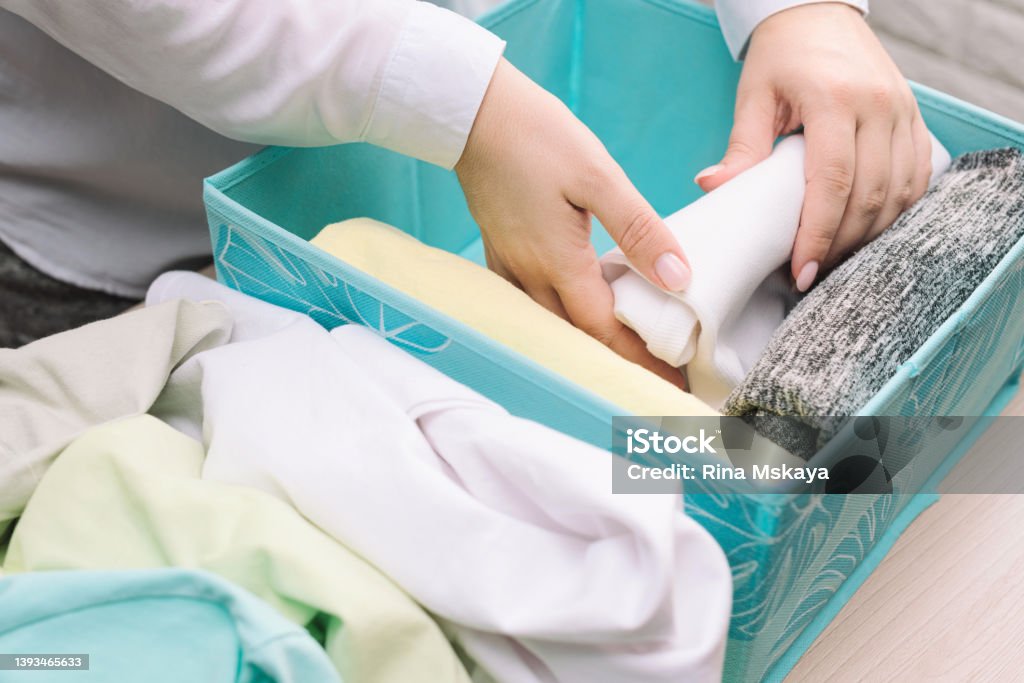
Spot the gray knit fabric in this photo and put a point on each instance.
(846, 338)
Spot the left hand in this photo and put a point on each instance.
(868, 150)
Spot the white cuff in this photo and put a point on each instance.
(433, 85)
(739, 18)
(666, 324)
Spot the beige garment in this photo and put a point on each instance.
(54, 389)
(489, 304)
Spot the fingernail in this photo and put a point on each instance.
(708, 172)
(806, 277)
(672, 271)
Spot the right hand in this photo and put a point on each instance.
(533, 176)
(868, 151)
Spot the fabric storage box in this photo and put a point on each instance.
(655, 82)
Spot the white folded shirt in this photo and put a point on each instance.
(505, 529)
(737, 239)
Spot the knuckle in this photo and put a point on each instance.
(816, 239)
(871, 203)
(600, 327)
(837, 178)
(596, 176)
(904, 196)
(841, 92)
(881, 98)
(741, 148)
(603, 334)
(640, 229)
(608, 333)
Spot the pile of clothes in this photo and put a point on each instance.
(217, 461)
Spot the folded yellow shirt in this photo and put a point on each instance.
(492, 306)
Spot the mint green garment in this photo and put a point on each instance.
(157, 626)
(129, 495)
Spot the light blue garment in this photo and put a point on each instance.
(155, 625)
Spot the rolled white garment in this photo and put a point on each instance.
(737, 239)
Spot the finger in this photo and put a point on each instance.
(923, 157)
(498, 266)
(829, 169)
(754, 131)
(589, 302)
(869, 194)
(636, 228)
(901, 179)
(546, 296)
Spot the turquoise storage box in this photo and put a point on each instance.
(655, 82)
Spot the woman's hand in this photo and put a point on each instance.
(533, 175)
(868, 151)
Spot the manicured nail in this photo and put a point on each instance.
(806, 277)
(708, 172)
(672, 271)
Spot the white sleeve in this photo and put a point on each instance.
(405, 75)
(739, 18)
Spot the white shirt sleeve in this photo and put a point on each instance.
(405, 75)
(739, 18)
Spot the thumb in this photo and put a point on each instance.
(639, 231)
(750, 142)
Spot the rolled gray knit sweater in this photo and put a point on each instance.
(847, 338)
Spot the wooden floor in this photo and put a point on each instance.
(946, 603)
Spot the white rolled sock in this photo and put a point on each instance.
(736, 238)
